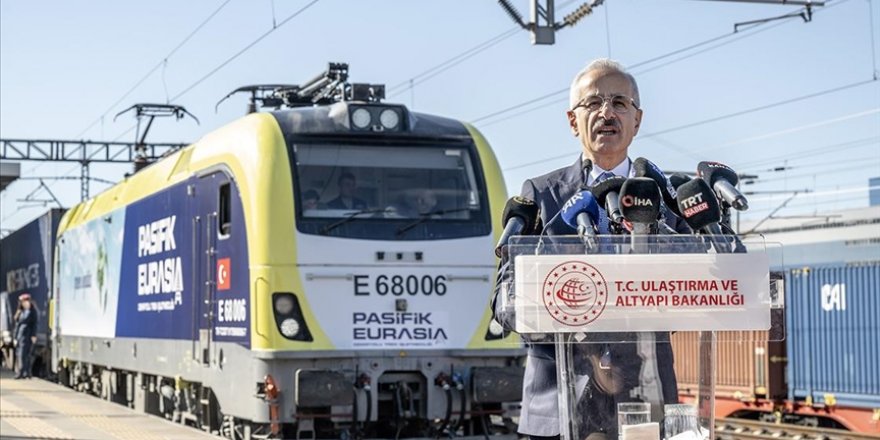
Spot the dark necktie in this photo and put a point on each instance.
(603, 217)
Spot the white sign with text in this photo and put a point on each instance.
(658, 292)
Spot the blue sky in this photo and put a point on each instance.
(62, 65)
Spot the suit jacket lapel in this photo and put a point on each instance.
(569, 182)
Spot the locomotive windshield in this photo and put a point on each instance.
(389, 192)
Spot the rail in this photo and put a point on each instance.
(736, 429)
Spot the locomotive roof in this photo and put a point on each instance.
(334, 120)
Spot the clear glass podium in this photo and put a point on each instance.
(601, 312)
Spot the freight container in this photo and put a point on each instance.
(26, 257)
(833, 315)
(748, 365)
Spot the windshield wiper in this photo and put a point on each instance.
(349, 218)
(427, 216)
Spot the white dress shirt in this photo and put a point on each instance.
(622, 169)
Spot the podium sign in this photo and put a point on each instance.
(601, 312)
(642, 293)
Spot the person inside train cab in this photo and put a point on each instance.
(604, 115)
(311, 200)
(426, 202)
(25, 334)
(347, 199)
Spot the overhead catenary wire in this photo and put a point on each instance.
(812, 152)
(449, 63)
(735, 37)
(647, 62)
(799, 128)
(865, 164)
(807, 203)
(690, 47)
(455, 60)
(730, 115)
(211, 73)
(163, 62)
(158, 65)
(219, 67)
(788, 167)
(828, 191)
(763, 107)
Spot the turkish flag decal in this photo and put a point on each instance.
(224, 271)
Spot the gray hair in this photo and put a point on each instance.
(601, 65)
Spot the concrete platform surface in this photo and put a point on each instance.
(37, 409)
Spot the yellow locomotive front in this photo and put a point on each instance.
(321, 270)
(386, 275)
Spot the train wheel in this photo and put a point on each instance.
(64, 376)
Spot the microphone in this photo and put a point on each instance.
(700, 209)
(645, 168)
(581, 212)
(586, 167)
(640, 203)
(677, 180)
(723, 180)
(607, 193)
(519, 217)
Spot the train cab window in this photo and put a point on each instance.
(224, 210)
(389, 192)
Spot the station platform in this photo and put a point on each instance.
(37, 409)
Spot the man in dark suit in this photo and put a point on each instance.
(605, 116)
(347, 199)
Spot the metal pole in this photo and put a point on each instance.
(84, 181)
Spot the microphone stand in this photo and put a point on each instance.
(649, 388)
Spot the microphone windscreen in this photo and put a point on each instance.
(612, 184)
(698, 205)
(679, 179)
(645, 168)
(711, 172)
(578, 203)
(640, 200)
(525, 209)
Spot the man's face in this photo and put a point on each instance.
(605, 132)
(347, 187)
(426, 202)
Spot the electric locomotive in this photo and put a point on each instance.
(320, 270)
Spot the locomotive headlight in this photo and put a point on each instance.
(361, 118)
(289, 327)
(389, 118)
(495, 328)
(283, 304)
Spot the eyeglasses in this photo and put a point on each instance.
(619, 104)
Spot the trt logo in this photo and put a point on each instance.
(692, 201)
(224, 271)
(834, 297)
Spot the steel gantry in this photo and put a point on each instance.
(83, 152)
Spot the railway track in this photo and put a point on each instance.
(735, 429)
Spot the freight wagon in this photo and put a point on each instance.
(825, 373)
(26, 267)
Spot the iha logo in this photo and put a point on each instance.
(630, 201)
(224, 270)
(575, 293)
